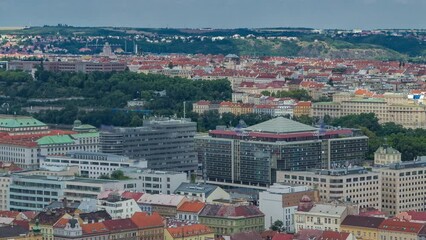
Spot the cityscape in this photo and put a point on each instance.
(233, 131)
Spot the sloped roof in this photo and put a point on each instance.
(400, 226)
(57, 139)
(12, 231)
(11, 121)
(120, 224)
(196, 188)
(94, 228)
(144, 220)
(187, 231)
(161, 199)
(362, 221)
(281, 125)
(230, 211)
(193, 206)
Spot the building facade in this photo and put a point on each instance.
(354, 184)
(166, 144)
(252, 155)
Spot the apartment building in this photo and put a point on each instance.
(391, 107)
(117, 206)
(92, 164)
(4, 191)
(322, 217)
(71, 66)
(403, 186)
(362, 227)
(166, 144)
(252, 155)
(386, 155)
(353, 184)
(280, 202)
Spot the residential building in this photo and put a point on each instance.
(353, 184)
(230, 219)
(122, 229)
(4, 191)
(166, 144)
(92, 164)
(362, 227)
(44, 222)
(18, 232)
(302, 108)
(165, 205)
(203, 106)
(321, 216)
(189, 211)
(403, 186)
(202, 192)
(395, 229)
(386, 155)
(308, 234)
(390, 107)
(190, 232)
(252, 155)
(156, 182)
(118, 207)
(150, 226)
(280, 202)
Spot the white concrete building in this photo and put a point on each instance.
(117, 206)
(156, 182)
(280, 202)
(90, 164)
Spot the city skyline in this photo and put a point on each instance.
(326, 14)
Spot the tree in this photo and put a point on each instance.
(118, 175)
(278, 226)
(266, 93)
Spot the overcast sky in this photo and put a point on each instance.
(346, 14)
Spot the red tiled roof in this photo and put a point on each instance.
(194, 206)
(362, 221)
(331, 235)
(132, 195)
(186, 231)
(417, 216)
(9, 214)
(282, 236)
(94, 228)
(400, 226)
(120, 224)
(143, 220)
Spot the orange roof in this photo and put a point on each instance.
(187, 231)
(93, 228)
(144, 220)
(9, 214)
(61, 223)
(194, 207)
(304, 104)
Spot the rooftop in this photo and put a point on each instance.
(190, 230)
(14, 121)
(329, 209)
(281, 125)
(230, 211)
(362, 221)
(196, 188)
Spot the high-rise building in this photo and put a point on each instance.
(166, 144)
(252, 155)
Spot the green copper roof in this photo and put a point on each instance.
(89, 134)
(57, 139)
(10, 121)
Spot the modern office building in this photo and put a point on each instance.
(166, 144)
(35, 192)
(352, 184)
(280, 202)
(92, 164)
(4, 191)
(252, 155)
(403, 186)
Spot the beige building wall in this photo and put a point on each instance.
(362, 189)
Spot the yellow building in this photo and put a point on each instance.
(302, 108)
(191, 232)
(362, 227)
